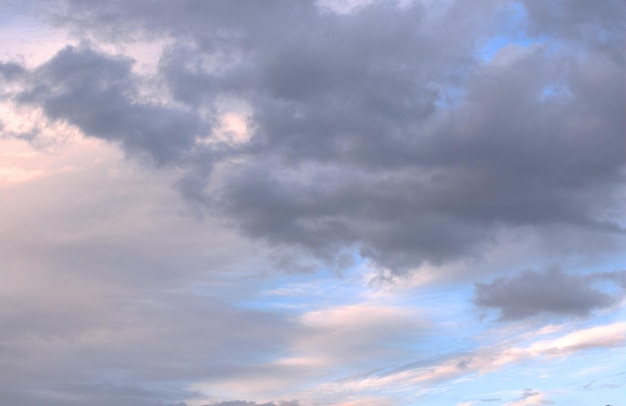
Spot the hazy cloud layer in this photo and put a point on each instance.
(551, 292)
(375, 130)
(114, 300)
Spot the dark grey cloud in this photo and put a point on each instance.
(379, 131)
(550, 292)
(98, 94)
(590, 25)
(11, 70)
(353, 149)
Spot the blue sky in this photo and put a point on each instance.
(378, 203)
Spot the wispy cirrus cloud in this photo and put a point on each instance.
(422, 377)
(531, 397)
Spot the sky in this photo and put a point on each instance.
(308, 203)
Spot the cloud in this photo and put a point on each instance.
(372, 134)
(424, 376)
(350, 142)
(578, 21)
(551, 292)
(109, 295)
(359, 331)
(10, 71)
(340, 339)
(618, 277)
(98, 94)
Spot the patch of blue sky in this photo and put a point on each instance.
(607, 286)
(450, 97)
(450, 310)
(488, 51)
(257, 286)
(511, 32)
(590, 377)
(607, 316)
(554, 90)
(298, 292)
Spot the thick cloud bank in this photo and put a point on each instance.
(377, 130)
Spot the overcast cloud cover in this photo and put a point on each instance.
(294, 203)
